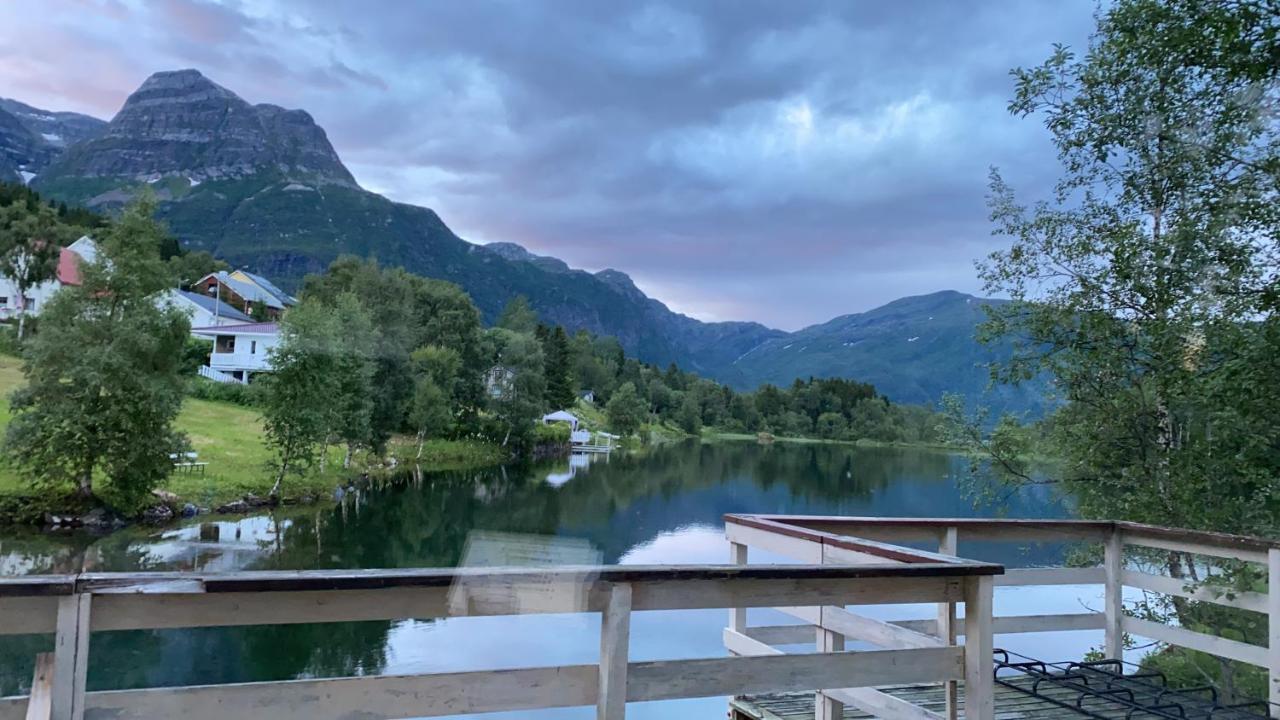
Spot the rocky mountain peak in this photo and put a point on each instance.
(180, 122)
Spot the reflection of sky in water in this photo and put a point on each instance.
(460, 644)
(663, 506)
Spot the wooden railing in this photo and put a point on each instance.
(73, 607)
(855, 541)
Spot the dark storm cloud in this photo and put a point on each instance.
(784, 162)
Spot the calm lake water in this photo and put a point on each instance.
(661, 506)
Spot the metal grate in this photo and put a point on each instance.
(1104, 691)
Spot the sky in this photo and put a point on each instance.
(784, 162)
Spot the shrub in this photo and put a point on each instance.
(235, 393)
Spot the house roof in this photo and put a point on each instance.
(69, 267)
(214, 306)
(270, 287)
(262, 328)
(246, 290)
(564, 415)
(70, 257)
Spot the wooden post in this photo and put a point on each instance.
(979, 668)
(70, 657)
(947, 625)
(824, 707)
(738, 616)
(1113, 599)
(615, 641)
(1273, 629)
(40, 703)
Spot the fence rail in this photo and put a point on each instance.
(845, 563)
(860, 539)
(73, 607)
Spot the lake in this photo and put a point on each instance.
(662, 505)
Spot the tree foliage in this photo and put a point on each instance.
(103, 374)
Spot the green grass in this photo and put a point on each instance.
(229, 438)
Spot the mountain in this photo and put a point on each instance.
(262, 187)
(31, 138)
(913, 350)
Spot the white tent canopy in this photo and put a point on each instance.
(561, 416)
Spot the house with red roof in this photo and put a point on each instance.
(70, 259)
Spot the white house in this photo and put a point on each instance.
(203, 310)
(68, 273)
(499, 380)
(239, 351)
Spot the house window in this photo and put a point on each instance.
(225, 344)
(28, 304)
(253, 347)
(4, 300)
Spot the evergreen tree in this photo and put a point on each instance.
(559, 369)
(518, 317)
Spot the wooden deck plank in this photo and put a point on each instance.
(1010, 704)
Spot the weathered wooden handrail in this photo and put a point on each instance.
(73, 606)
(861, 539)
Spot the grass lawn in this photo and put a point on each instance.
(229, 438)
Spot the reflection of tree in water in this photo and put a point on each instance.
(424, 520)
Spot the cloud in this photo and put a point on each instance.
(782, 162)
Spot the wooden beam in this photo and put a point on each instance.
(880, 704)
(1004, 625)
(1273, 630)
(1190, 542)
(1211, 644)
(979, 682)
(800, 549)
(524, 689)
(826, 707)
(28, 615)
(738, 615)
(1243, 600)
(945, 627)
(615, 633)
(1051, 576)
(1113, 600)
(676, 679)
(71, 657)
(40, 702)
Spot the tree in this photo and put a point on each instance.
(103, 374)
(831, 426)
(353, 414)
(690, 416)
(520, 403)
(30, 243)
(298, 410)
(1153, 271)
(436, 370)
(407, 312)
(559, 369)
(189, 267)
(626, 410)
(518, 317)
(1146, 288)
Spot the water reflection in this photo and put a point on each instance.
(661, 506)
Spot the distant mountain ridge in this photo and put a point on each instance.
(914, 350)
(262, 187)
(31, 138)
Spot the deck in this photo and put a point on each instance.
(914, 670)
